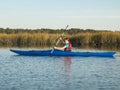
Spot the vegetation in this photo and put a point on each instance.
(97, 40)
(48, 37)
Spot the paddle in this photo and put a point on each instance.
(59, 39)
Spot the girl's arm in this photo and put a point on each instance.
(60, 48)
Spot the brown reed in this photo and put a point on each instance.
(98, 40)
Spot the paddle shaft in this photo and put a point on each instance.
(59, 39)
(60, 36)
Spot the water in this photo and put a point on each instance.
(58, 73)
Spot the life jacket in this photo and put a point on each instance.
(69, 47)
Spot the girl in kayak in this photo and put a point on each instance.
(67, 47)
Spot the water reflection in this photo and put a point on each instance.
(67, 64)
(67, 76)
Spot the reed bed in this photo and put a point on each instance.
(27, 40)
(98, 40)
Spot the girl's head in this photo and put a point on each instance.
(66, 40)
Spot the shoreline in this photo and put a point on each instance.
(74, 48)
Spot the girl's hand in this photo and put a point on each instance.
(55, 47)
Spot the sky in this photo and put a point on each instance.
(56, 14)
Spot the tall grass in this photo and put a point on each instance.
(98, 40)
(27, 40)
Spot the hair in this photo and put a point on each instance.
(66, 39)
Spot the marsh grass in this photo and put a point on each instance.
(97, 40)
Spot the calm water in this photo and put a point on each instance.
(58, 73)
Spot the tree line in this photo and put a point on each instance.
(51, 31)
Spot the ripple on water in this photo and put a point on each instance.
(58, 73)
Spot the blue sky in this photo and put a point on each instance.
(85, 14)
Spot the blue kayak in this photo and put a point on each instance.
(61, 53)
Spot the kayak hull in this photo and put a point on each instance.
(61, 53)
